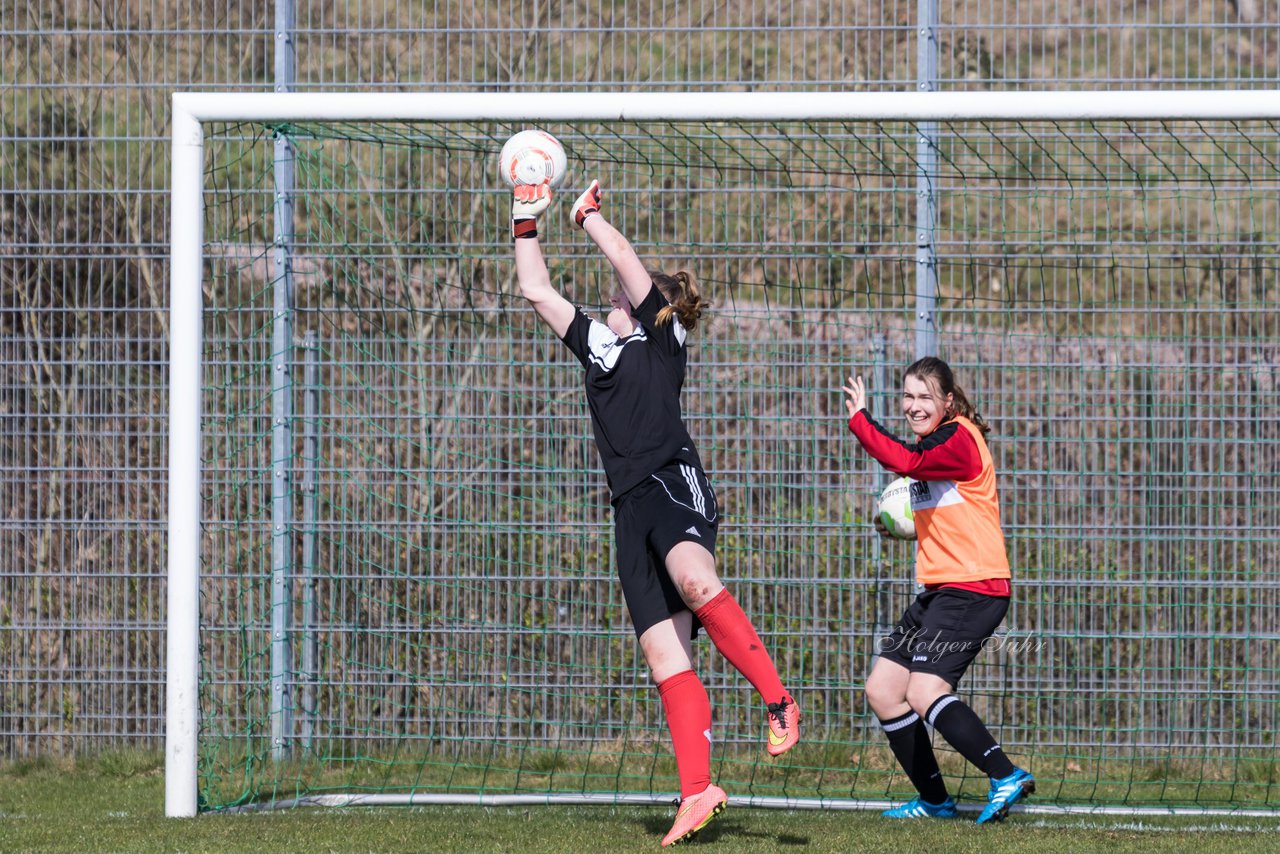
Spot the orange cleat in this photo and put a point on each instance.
(784, 726)
(696, 813)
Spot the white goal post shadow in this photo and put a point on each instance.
(192, 110)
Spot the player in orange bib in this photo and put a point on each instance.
(664, 509)
(963, 568)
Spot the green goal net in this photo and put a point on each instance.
(445, 620)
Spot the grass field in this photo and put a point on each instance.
(115, 803)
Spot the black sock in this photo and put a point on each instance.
(964, 730)
(909, 741)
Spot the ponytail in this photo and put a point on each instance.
(685, 303)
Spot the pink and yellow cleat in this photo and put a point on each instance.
(696, 813)
(784, 726)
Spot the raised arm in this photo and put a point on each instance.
(531, 269)
(635, 279)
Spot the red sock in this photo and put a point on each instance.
(737, 641)
(688, 709)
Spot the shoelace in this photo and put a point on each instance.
(778, 711)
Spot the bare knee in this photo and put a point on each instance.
(923, 693)
(885, 699)
(693, 570)
(696, 592)
(919, 702)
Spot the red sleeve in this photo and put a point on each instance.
(948, 453)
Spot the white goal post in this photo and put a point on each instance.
(191, 111)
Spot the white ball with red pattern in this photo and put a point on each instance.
(531, 157)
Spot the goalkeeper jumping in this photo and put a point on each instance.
(664, 509)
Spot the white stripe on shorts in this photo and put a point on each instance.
(697, 495)
(691, 478)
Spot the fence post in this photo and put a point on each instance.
(282, 404)
(310, 487)
(883, 589)
(926, 170)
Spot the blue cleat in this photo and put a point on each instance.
(1004, 793)
(918, 808)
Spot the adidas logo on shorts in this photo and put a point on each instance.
(694, 531)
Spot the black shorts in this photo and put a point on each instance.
(673, 505)
(943, 631)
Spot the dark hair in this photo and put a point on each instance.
(933, 368)
(682, 292)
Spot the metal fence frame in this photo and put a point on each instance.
(82, 586)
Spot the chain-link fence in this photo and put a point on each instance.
(83, 232)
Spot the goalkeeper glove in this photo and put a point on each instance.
(528, 200)
(587, 204)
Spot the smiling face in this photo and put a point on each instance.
(924, 405)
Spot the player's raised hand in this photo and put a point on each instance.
(527, 201)
(587, 204)
(857, 392)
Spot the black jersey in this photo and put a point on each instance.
(633, 392)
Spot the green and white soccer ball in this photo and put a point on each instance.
(894, 509)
